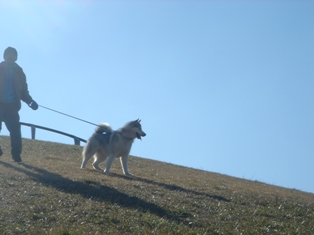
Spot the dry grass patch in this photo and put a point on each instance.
(49, 194)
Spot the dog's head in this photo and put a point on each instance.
(139, 132)
(133, 130)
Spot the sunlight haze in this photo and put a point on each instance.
(221, 86)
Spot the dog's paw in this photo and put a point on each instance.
(128, 174)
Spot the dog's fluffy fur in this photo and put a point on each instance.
(106, 144)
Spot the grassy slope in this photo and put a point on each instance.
(49, 194)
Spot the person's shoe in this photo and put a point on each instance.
(17, 158)
(1, 153)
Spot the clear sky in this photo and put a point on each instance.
(222, 86)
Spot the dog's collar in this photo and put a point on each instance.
(128, 137)
(124, 135)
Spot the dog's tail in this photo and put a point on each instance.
(103, 128)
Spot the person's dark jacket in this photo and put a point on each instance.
(20, 85)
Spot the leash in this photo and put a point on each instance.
(68, 115)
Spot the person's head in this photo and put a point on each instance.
(10, 55)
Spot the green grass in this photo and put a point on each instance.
(49, 194)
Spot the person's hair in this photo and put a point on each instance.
(10, 50)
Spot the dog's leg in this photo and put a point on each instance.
(109, 163)
(86, 156)
(84, 162)
(97, 161)
(89, 151)
(124, 164)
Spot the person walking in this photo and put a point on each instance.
(13, 90)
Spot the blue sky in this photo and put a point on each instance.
(222, 86)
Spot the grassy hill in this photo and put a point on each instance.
(49, 194)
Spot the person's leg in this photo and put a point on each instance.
(12, 122)
(1, 153)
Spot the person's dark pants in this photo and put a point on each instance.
(9, 114)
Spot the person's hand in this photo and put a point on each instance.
(33, 105)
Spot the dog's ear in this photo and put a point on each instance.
(136, 122)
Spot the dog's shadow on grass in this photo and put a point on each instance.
(172, 187)
(92, 190)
